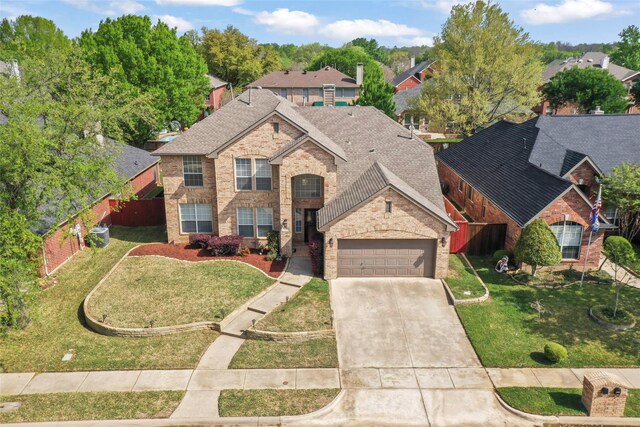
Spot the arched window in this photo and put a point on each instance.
(569, 235)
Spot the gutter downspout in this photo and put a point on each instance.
(44, 258)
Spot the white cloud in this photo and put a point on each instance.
(243, 11)
(442, 5)
(180, 24)
(110, 8)
(415, 41)
(565, 11)
(288, 21)
(200, 2)
(350, 29)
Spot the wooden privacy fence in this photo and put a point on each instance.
(138, 213)
(474, 238)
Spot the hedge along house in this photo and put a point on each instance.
(547, 167)
(62, 241)
(351, 174)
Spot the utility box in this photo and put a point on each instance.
(604, 394)
(99, 237)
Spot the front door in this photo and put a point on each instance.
(310, 224)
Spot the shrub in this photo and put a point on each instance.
(501, 253)
(225, 245)
(537, 246)
(273, 241)
(244, 251)
(200, 240)
(316, 253)
(271, 256)
(555, 352)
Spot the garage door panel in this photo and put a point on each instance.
(404, 258)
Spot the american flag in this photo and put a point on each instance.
(595, 212)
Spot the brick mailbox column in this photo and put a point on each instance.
(604, 394)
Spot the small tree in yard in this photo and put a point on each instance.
(620, 252)
(538, 246)
(621, 188)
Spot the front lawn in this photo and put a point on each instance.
(91, 406)
(461, 279)
(558, 401)
(308, 310)
(273, 403)
(257, 354)
(506, 331)
(58, 325)
(168, 292)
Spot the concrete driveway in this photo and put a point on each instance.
(398, 323)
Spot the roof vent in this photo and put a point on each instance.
(524, 143)
(327, 68)
(350, 113)
(286, 71)
(590, 60)
(304, 72)
(597, 111)
(372, 150)
(580, 61)
(135, 163)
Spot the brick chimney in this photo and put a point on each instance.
(413, 62)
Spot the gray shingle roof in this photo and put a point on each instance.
(367, 185)
(413, 71)
(404, 97)
(215, 82)
(302, 79)
(588, 60)
(495, 161)
(607, 139)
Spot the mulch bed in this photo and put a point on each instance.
(190, 253)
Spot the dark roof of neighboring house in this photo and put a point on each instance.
(357, 136)
(215, 82)
(404, 97)
(588, 60)
(304, 79)
(495, 161)
(413, 71)
(129, 162)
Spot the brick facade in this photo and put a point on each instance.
(296, 95)
(215, 97)
(584, 176)
(570, 207)
(409, 83)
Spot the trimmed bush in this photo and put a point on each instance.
(501, 253)
(316, 253)
(200, 240)
(537, 246)
(225, 245)
(555, 352)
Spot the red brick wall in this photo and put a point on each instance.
(215, 97)
(571, 204)
(587, 174)
(409, 83)
(146, 181)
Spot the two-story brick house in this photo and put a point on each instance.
(324, 87)
(261, 163)
(547, 167)
(415, 75)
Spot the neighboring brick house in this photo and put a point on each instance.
(588, 60)
(326, 86)
(546, 168)
(414, 76)
(142, 172)
(217, 90)
(261, 163)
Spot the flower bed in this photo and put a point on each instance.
(190, 253)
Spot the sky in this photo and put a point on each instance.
(334, 22)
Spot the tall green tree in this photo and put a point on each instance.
(550, 53)
(30, 36)
(235, 57)
(372, 48)
(490, 69)
(150, 59)
(627, 51)
(621, 189)
(587, 88)
(52, 165)
(537, 246)
(375, 90)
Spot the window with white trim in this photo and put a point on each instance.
(307, 186)
(345, 92)
(243, 175)
(305, 95)
(196, 218)
(460, 185)
(263, 175)
(298, 220)
(192, 171)
(569, 236)
(283, 92)
(264, 221)
(245, 222)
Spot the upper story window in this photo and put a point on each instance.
(345, 92)
(192, 171)
(207, 97)
(307, 186)
(196, 218)
(243, 175)
(276, 127)
(470, 193)
(263, 175)
(569, 236)
(305, 95)
(283, 92)
(411, 120)
(460, 185)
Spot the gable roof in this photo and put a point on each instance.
(404, 97)
(413, 71)
(215, 82)
(304, 79)
(588, 60)
(495, 162)
(371, 182)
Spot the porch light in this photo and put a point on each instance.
(285, 224)
(331, 242)
(443, 242)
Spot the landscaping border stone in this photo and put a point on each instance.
(469, 300)
(608, 325)
(289, 337)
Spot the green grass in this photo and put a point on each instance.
(461, 279)
(58, 324)
(174, 292)
(506, 331)
(319, 353)
(443, 140)
(91, 406)
(558, 401)
(273, 403)
(308, 310)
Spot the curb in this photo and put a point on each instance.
(288, 337)
(525, 415)
(482, 298)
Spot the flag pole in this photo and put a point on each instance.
(586, 258)
(595, 226)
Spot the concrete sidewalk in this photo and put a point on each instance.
(555, 377)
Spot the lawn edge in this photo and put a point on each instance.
(456, 301)
(522, 414)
